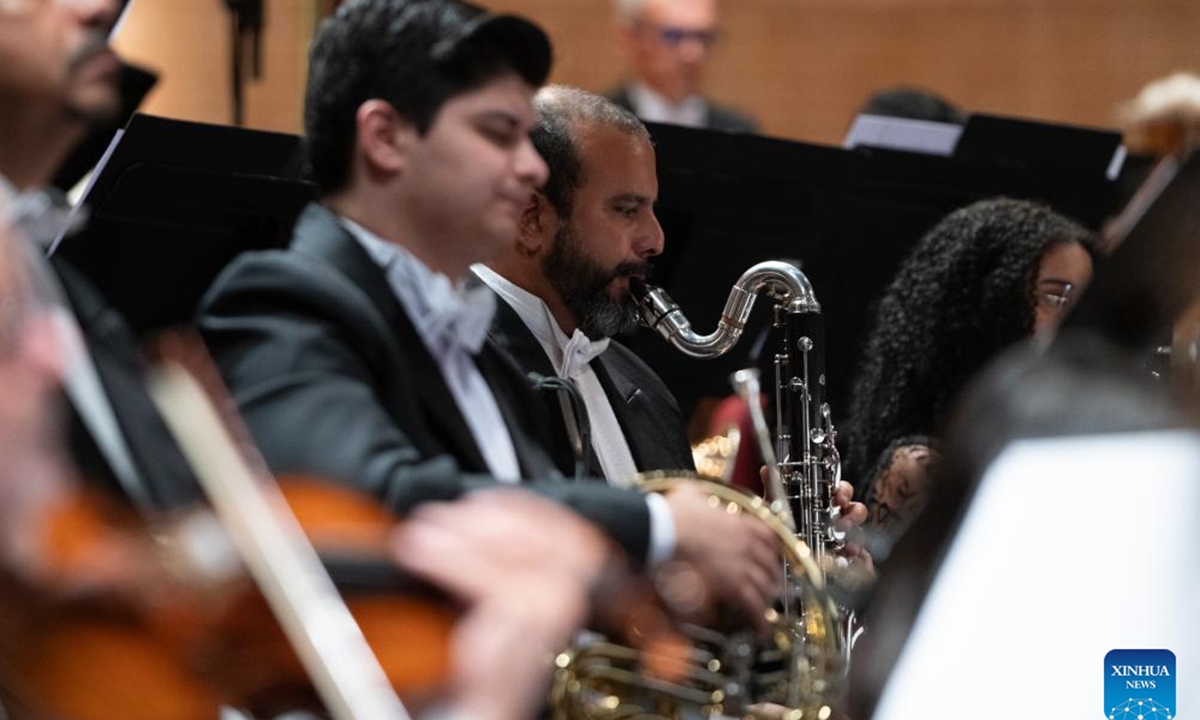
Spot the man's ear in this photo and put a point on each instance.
(383, 136)
(538, 225)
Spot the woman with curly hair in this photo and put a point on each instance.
(987, 276)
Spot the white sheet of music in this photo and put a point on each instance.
(1071, 548)
(918, 136)
(78, 195)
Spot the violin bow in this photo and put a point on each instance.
(283, 563)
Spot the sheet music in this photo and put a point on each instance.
(116, 28)
(1117, 162)
(919, 136)
(1036, 590)
(79, 200)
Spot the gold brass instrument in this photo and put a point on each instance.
(801, 668)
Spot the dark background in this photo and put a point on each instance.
(178, 200)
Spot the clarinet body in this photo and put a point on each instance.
(808, 464)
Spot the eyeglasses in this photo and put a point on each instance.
(1056, 295)
(676, 36)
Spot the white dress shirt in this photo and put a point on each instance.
(42, 220)
(692, 111)
(452, 321)
(571, 358)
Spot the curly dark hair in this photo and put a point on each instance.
(965, 293)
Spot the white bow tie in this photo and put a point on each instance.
(460, 318)
(578, 352)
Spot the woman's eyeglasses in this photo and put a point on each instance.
(1055, 294)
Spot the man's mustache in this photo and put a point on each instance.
(95, 43)
(632, 268)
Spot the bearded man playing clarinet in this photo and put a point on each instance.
(585, 237)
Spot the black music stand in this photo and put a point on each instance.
(1153, 274)
(1033, 145)
(173, 203)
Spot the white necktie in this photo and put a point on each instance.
(578, 352)
(607, 438)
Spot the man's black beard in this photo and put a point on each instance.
(583, 287)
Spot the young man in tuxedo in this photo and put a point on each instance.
(360, 353)
(520, 599)
(521, 569)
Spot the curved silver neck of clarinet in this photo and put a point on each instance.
(778, 278)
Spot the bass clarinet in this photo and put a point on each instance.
(809, 467)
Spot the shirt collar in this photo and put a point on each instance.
(536, 315)
(692, 111)
(427, 296)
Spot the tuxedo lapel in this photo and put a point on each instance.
(628, 402)
(164, 475)
(514, 338)
(518, 403)
(411, 372)
(645, 409)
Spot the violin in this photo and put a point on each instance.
(124, 636)
(118, 619)
(129, 623)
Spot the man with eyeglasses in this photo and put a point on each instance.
(666, 45)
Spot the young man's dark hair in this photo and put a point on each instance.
(413, 54)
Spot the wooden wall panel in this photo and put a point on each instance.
(801, 66)
(188, 43)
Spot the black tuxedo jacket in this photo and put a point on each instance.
(647, 412)
(333, 380)
(719, 117)
(166, 477)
